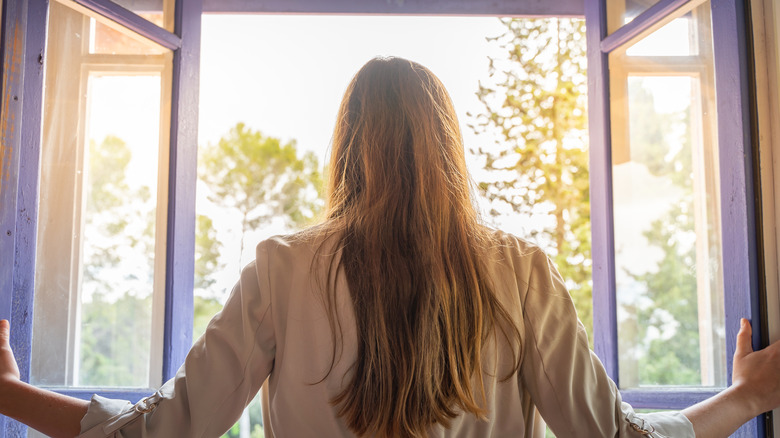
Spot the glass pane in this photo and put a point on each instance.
(110, 38)
(159, 12)
(620, 12)
(99, 286)
(675, 38)
(667, 223)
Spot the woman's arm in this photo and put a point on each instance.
(755, 389)
(570, 387)
(53, 414)
(220, 376)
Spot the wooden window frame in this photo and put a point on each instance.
(23, 52)
(742, 260)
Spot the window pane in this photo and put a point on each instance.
(620, 12)
(159, 12)
(110, 38)
(667, 221)
(675, 38)
(99, 286)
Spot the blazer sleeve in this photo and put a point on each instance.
(220, 376)
(566, 381)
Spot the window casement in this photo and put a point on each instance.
(95, 92)
(675, 261)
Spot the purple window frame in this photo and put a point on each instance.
(23, 49)
(23, 54)
(741, 257)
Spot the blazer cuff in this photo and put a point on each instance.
(102, 409)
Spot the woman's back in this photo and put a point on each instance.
(558, 374)
(302, 385)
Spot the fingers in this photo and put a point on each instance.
(744, 339)
(5, 332)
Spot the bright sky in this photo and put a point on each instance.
(285, 75)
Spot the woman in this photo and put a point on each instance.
(399, 315)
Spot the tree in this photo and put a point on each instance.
(207, 263)
(206, 252)
(662, 142)
(262, 179)
(118, 268)
(672, 359)
(535, 109)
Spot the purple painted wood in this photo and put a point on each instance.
(180, 263)
(740, 272)
(641, 23)
(27, 189)
(133, 22)
(12, 50)
(132, 395)
(539, 8)
(22, 112)
(10, 141)
(666, 398)
(603, 248)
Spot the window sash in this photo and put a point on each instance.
(741, 258)
(24, 43)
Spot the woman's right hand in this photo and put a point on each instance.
(9, 370)
(755, 389)
(756, 374)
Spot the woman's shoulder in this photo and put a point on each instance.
(508, 242)
(302, 244)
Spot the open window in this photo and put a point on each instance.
(674, 232)
(701, 220)
(97, 143)
(102, 213)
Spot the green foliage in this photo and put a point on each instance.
(535, 108)
(115, 341)
(672, 289)
(117, 261)
(261, 178)
(650, 132)
(204, 309)
(669, 292)
(255, 420)
(207, 251)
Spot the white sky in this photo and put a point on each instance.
(285, 74)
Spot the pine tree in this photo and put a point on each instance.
(535, 110)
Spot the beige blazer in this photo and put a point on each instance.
(274, 326)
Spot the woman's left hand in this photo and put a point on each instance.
(9, 370)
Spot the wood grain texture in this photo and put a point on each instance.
(13, 28)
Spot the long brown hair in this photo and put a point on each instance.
(413, 255)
